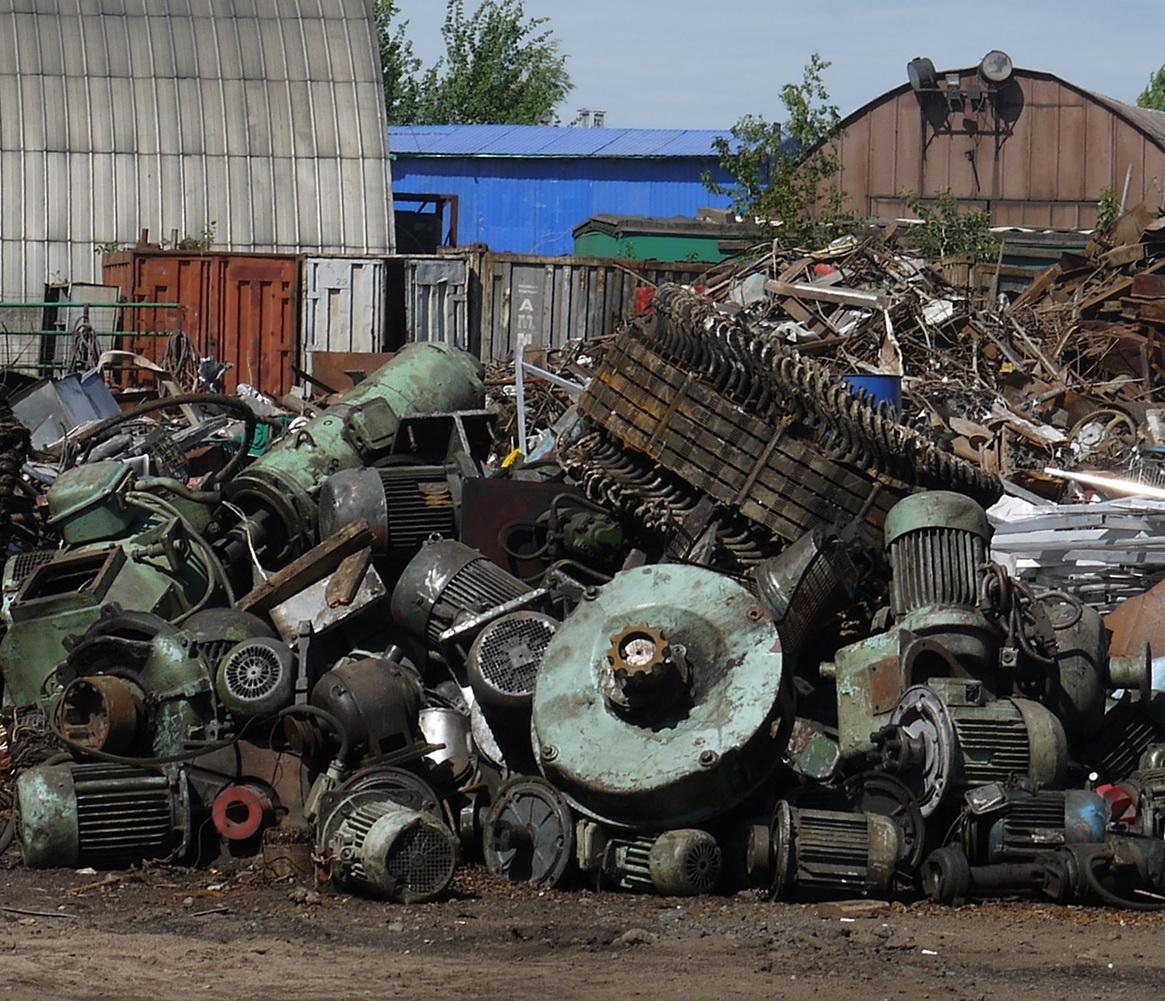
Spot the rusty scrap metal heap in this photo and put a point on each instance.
(738, 626)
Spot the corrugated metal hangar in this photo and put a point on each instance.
(1034, 149)
(523, 188)
(260, 121)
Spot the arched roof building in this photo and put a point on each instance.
(1063, 148)
(259, 124)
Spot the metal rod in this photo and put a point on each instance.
(93, 305)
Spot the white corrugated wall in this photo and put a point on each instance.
(261, 119)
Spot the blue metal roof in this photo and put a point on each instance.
(549, 140)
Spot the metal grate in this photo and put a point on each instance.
(421, 859)
(25, 563)
(511, 650)
(701, 866)
(252, 672)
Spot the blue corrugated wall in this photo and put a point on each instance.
(531, 206)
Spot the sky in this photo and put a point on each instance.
(705, 63)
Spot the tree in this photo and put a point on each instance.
(786, 174)
(397, 62)
(947, 232)
(499, 66)
(1153, 96)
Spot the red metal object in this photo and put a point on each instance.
(239, 308)
(241, 811)
(643, 298)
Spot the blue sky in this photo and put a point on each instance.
(703, 63)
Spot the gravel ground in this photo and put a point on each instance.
(234, 933)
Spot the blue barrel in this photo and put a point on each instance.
(881, 388)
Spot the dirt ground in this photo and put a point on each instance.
(232, 932)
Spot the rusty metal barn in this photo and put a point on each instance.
(1034, 149)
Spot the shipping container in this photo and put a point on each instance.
(344, 306)
(238, 308)
(544, 301)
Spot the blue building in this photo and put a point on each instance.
(523, 188)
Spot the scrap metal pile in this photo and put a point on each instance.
(739, 628)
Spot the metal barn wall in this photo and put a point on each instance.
(1067, 147)
(260, 120)
(530, 205)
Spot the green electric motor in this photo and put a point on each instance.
(662, 700)
(279, 492)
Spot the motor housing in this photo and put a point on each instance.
(383, 849)
(818, 854)
(107, 816)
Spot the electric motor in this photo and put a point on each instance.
(447, 584)
(662, 700)
(378, 847)
(102, 815)
(685, 863)
(952, 736)
(257, 677)
(279, 491)
(803, 584)
(528, 834)
(1017, 823)
(504, 661)
(377, 703)
(403, 505)
(680, 863)
(937, 541)
(213, 631)
(1149, 786)
(938, 544)
(821, 853)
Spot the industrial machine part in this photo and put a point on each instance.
(450, 588)
(213, 631)
(662, 699)
(450, 729)
(244, 810)
(102, 713)
(1116, 750)
(528, 834)
(1015, 822)
(1147, 786)
(404, 505)
(397, 784)
(937, 543)
(378, 847)
(138, 660)
(805, 584)
(157, 564)
(947, 877)
(376, 701)
(685, 863)
(950, 735)
(279, 491)
(822, 853)
(101, 815)
(256, 677)
(332, 599)
(811, 753)
(504, 661)
(709, 390)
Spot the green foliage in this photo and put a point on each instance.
(1153, 96)
(1107, 208)
(500, 66)
(399, 65)
(109, 247)
(785, 175)
(947, 232)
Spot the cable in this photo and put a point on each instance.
(209, 399)
(146, 762)
(333, 723)
(245, 522)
